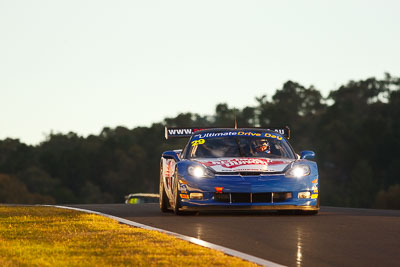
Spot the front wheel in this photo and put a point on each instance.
(177, 199)
(308, 212)
(163, 199)
(311, 212)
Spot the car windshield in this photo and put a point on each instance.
(232, 144)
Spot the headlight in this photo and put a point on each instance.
(200, 172)
(298, 171)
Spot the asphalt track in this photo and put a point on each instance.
(334, 237)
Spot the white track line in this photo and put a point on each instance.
(206, 244)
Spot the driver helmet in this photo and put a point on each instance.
(263, 146)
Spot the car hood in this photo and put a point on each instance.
(246, 164)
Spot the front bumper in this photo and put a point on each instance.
(212, 204)
(245, 207)
(247, 193)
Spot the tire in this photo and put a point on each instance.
(308, 212)
(300, 212)
(286, 212)
(311, 212)
(177, 199)
(163, 199)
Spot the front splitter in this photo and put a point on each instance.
(243, 208)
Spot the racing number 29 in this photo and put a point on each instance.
(198, 142)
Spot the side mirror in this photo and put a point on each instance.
(170, 155)
(178, 152)
(307, 154)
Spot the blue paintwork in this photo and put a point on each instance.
(249, 184)
(170, 155)
(307, 154)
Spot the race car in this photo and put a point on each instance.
(139, 198)
(237, 169)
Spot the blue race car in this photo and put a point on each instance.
(237, 169)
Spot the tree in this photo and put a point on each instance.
(389, 199)
(356, 138)
(14, 191)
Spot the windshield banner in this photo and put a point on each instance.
(174, 132)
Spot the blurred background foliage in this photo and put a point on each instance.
(355, 133)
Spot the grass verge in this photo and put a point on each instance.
(47, 236)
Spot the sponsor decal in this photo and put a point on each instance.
(210, 135)
(198, 142)
(240, 133)
(186, 132)
(233, 163)
(268, 135)
(181, 181)
(180, 132)
(182, 188)
(219, 189)
(168, 171)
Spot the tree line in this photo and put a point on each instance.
(355, 132)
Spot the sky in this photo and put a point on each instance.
(81, 65)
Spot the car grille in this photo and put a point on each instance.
(268, 197)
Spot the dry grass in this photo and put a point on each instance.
(46, 236)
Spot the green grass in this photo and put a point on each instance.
(47, 236)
